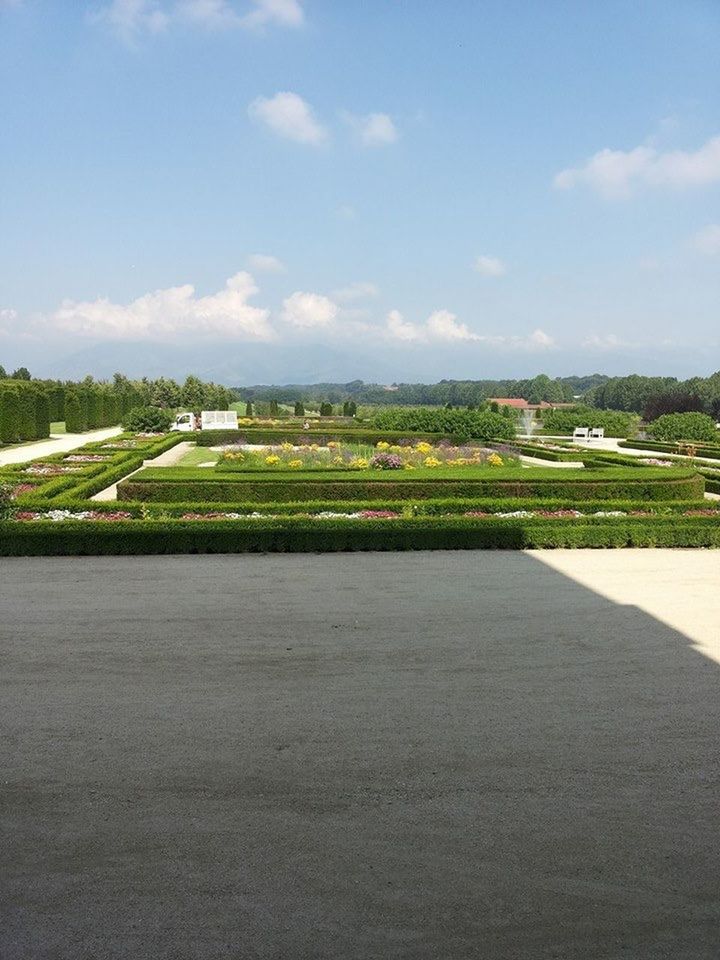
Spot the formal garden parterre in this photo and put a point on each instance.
(334, 492)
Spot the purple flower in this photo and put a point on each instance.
(386, 461)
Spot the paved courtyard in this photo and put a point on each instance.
(431, 755)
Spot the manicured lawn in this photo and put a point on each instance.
(58, 426)
(198, 455)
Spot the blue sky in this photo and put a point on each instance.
(287, 189)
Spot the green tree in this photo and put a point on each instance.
(249, 409)
(193, 393)
(543, 388)
(299, 408)
(148, 420)
(165, 393)
(22, 373)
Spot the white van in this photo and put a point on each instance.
(209, 420)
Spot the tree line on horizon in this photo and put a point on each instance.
(28, 406)
(650, 397)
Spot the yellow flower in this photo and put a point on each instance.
(395, 449)
(382, 445)
(295, 464)
(423, 447)
(431, 462)
(495, 460)
(272, 460)
(287, 447)
(338, 461)
(359, 463)
(409, 466)
(332, 444)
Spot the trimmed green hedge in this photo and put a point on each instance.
(703, 450)
(295, 535)
(684, 426)
(481, 424)
(555, 456)
(24, 412)
(615, 423)
(431, 507)
(216, 438)
(712, 481)
(617, 483)
(93, 477)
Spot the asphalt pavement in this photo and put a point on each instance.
(432, 755)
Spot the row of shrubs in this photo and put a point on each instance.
(615, 423)
(432, 507)
(24, 412)
(618, 483)
(684, 426)
(462, 424)
(299, 437)
(92, 477)
(711, 451)
(294, 535)
(542, 453)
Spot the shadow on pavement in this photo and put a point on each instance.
(437, 755)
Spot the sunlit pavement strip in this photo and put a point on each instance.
(681, 588)
(59, 443)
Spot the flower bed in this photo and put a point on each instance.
(85, 458)
(50, 469)
(335, 455)
(60, 515)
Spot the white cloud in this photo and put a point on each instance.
(265, 263)
(212, 14)
(538, 338)
(373, 129)
(128, 18)
(439, 326)
(360, 290)
(443, 325)
(615, 172)
(398, 329)
(308, 310)
(489, 267)
(170, 312)
(284, 13)
(289, 116)
(707, 240)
